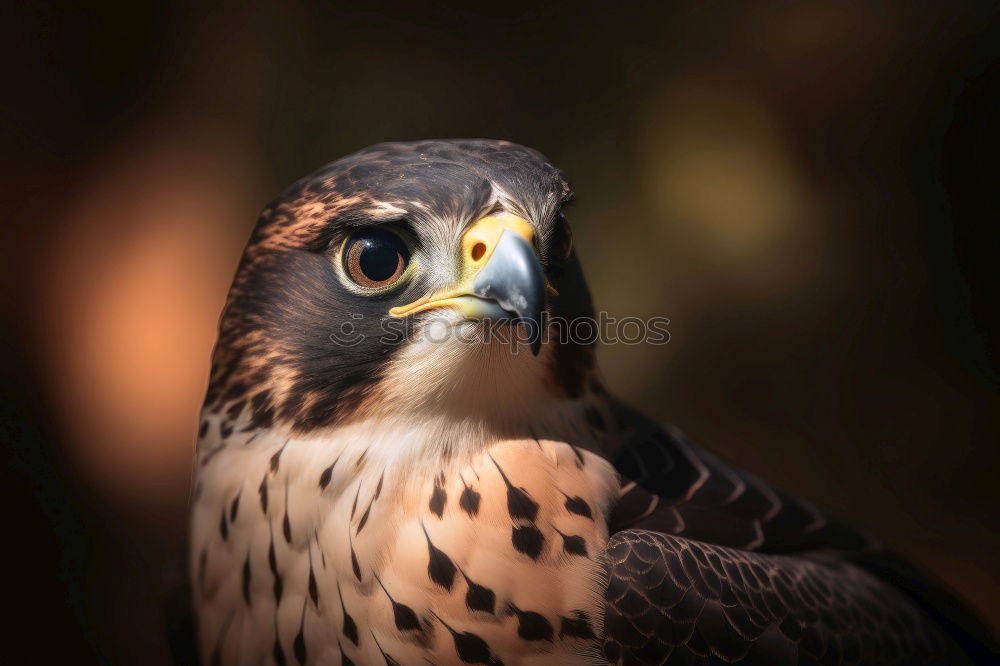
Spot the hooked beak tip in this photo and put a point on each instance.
(508, 284)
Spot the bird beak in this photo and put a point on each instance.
(502, 277)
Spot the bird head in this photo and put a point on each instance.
(406, 277)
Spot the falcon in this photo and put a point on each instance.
(403, 458)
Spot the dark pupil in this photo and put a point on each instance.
(379, 259)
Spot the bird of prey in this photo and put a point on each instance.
(401, 462)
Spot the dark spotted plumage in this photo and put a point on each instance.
(706, 564)
(246, 575)
(471, 648)
(324, 478)
(531, 626)
(577, 626)
(440, 568)
(438, 500)
(479, 597)
(519, 504)
(262, 493)
(354, 504)
(207, 458)
(348, 626)
(272, 562)
(469, 501)
(286, 523)
(403, 616)
(355, 565)
(312, 587)
(364, 516)
(527, 539)
(299, 644)
(276, 458)
(578, 506)
(573, 544)
(278, 652)
(234, 508)
(234, 409)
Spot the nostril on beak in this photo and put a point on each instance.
(478, 250)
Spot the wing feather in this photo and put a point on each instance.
(790, 578)
(671, 600)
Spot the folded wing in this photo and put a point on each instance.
(709, 564)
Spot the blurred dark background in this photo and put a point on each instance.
(807, 190)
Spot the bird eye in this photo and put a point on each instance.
(375, 257)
